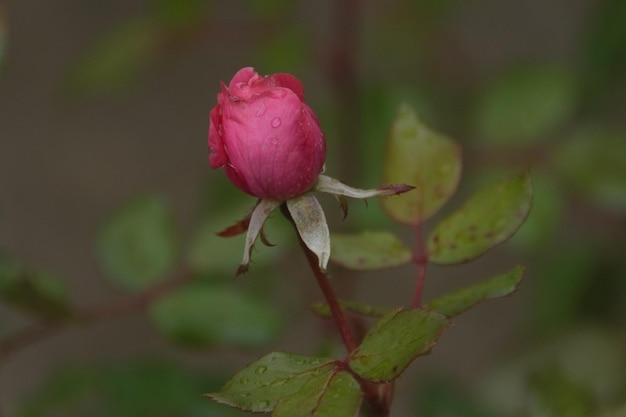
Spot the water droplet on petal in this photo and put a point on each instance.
(212, 151)
(276, 122)
(261, 110)
(274, 141)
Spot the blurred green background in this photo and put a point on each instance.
(103, 123)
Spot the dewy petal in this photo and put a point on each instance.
(311, 223)
(330, 185)
(259, 215)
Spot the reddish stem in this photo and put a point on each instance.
(378, 396)
(326, 288)
(421, 260)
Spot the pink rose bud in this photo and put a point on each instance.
(265, 136)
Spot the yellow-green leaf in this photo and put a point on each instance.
(369, 250)
(488, 218)
(593, 163)
(331, 394)
(137, 246)
(394, 341)
(203, 315)
(419, 156)
(453, 304)
(259, 386)
(117, 60)
(323, 310)
(525, 104)
(33, 291)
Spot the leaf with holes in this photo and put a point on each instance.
(423, 158)
(487, 219)
(369, 250)
(259, 386)
(331, 394)
(394, 341)
(453, 304)
(136, 247)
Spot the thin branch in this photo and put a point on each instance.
(118, 307)
(420, 258)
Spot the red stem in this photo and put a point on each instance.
(421, 260)
(379, 396)
(326, 288)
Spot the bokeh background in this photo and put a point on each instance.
(104, 114)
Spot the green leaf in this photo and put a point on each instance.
(323, 310)
(117, 59)
(603, 65)
(593, 163)
(33, 291)
(394, 341)
(554, 395)
(331, 394)
(441, 396)
(181, 14)
(619, 411)
(270, 9)
(542, 224)
(525, 104)
(260, 386)
(281, 53)
(567, 278)
(488, 218)
(423, 158)
(453, 304)
(203, 315)
(145, 389)
(137, 248)
(588, 359)
(369, 250)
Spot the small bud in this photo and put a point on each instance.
(265, 136)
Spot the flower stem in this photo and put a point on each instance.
(326, 288)
(379, 396)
